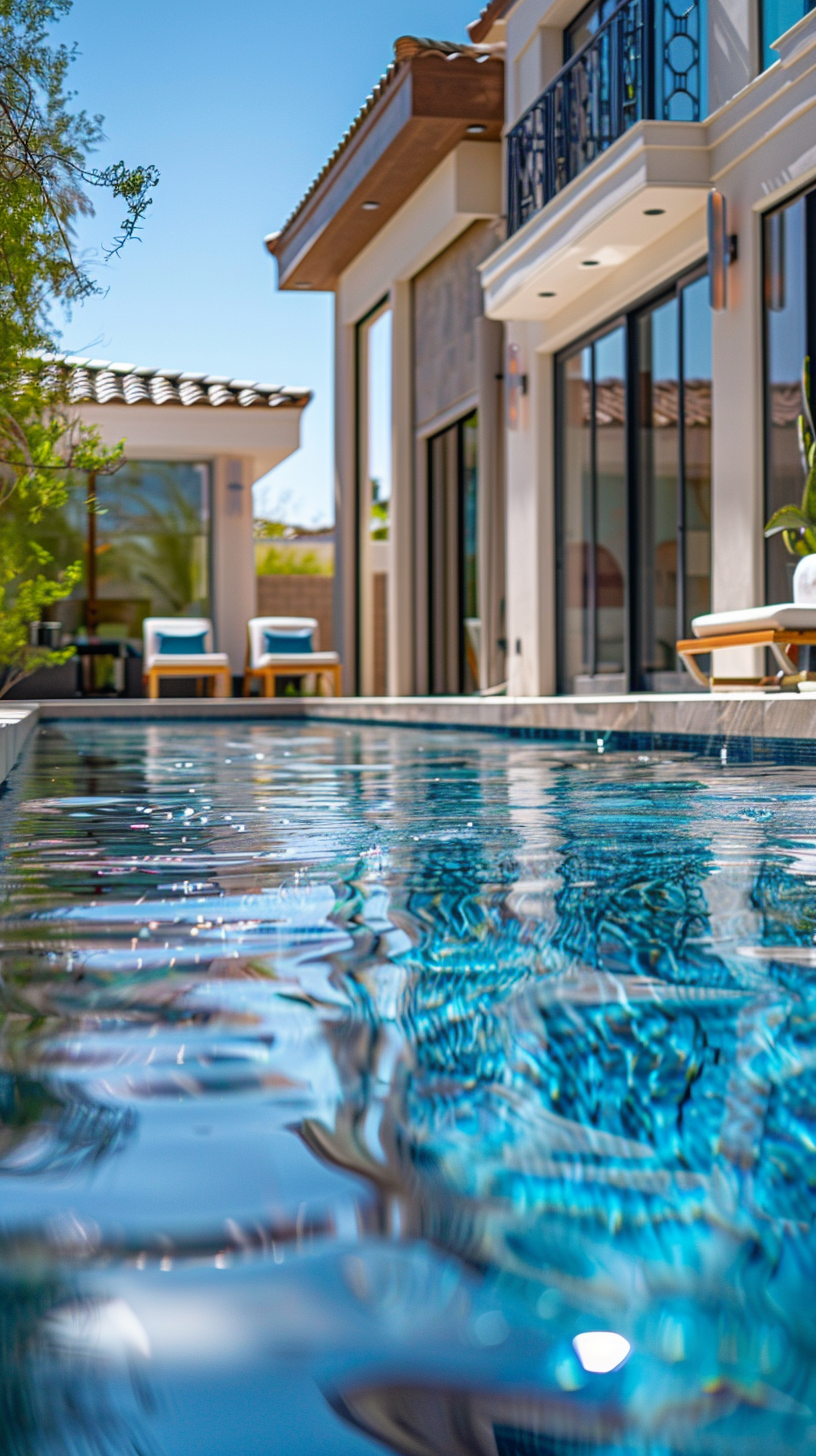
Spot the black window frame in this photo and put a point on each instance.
(629, 319)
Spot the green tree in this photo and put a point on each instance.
(45, 186)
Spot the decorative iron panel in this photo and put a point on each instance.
(645, 60)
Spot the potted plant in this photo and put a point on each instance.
(798, 523)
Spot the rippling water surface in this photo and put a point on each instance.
(368, 1088)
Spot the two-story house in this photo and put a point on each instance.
(660, 335)
(574, 264)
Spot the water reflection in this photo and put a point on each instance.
(351, 1079)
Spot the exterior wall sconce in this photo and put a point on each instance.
(516, 386)
(722, 250)
(235, 488)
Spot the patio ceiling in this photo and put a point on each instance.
(432, 97)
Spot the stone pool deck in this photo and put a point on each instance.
(17, 720)
(773, 718)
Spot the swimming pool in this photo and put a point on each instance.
(369, 1087)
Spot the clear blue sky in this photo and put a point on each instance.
(238, 105)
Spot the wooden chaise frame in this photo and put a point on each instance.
(781, 643)
(221, 675)
(296, 666)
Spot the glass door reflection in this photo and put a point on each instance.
(673, 536)
(593, 517)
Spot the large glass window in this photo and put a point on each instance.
(453, 582)
(777, 17)
(790, 334)
(586, 24)
(374, 499)
(592, 501)
(673, 475)
(144, 534)
(634, 549)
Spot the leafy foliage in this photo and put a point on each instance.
(41, 446)
(798, 523)
(45, 146)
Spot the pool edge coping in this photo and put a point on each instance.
(673, 720)
(17, 722)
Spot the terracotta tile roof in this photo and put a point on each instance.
(405, 48)
(479, 29)
(97, 381)
(786, 402)
(610, 402)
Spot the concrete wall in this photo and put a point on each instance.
(300, 596)
(447, 297)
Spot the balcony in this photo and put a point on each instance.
(646, 62)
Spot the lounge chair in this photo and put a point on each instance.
(286, 647)
(183, 647)
(783, 628)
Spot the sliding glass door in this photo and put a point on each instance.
(453, 589)
(673, 520)
(634, 494)
(593, 514)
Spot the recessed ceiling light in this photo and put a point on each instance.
(476, 128)
(546, 295)
(303, 285)
(370, 206)
(590, 263)
(653, 211)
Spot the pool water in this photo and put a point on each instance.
(368, 1088)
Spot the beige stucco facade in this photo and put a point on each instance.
(756, 146)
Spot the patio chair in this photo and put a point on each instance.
(286, 647)
(183, 647)
(784, 628)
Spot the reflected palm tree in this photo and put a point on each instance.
(58, 1133)
(51, 1402)
(156, 540)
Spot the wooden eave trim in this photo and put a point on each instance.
(479, 29)
(422, 116)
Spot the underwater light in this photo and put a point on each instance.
(600, 1351)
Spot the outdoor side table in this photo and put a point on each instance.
(100, 647)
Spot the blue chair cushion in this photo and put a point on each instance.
(182, 644)
(298, 641)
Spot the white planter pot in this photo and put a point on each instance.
(804, 582)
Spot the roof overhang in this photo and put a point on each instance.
(173, 432)
(479, 30)
(431, 103)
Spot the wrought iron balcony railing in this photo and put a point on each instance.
(646, 60)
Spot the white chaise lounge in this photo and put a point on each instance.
(287, 647)
(784, 628)
(183, 647)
